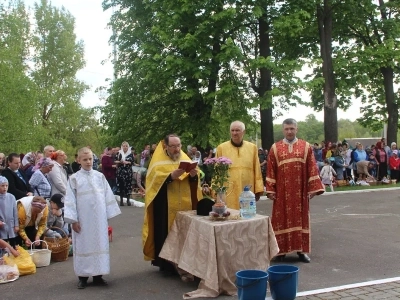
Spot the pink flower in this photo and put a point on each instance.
(219, 171)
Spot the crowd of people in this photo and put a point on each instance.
(41, 195)
(359, 165)
(41, 190)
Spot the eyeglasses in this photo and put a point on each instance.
(175, 146)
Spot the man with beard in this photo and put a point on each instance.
(168, 190)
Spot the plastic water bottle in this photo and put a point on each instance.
(247, 201)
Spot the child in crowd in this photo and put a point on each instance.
(327, 173)
(8, 214)
(88, 204)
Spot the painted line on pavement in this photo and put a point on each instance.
(360, 191)
(349, 192)
(345, 287)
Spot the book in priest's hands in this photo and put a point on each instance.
(187, 166)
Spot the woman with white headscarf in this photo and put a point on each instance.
(124, 172)
(39, 182)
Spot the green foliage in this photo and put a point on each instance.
(193, 67)
(41, 100)
(312, 130)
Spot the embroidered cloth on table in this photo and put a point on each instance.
(215, 250)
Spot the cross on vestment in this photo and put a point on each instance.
(278, 226)
(298, 194)
(289, 236)
(297, 167)
(297, 153)
(289, 223)
(298, 180)
(284, 154)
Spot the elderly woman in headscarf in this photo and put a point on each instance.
(32, 217)
(39, 181)
(124, 172)
(28, 164)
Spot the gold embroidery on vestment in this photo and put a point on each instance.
(291, 230)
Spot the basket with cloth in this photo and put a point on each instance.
(59, 246)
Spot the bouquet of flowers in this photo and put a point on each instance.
(219, 172)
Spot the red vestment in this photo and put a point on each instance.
(292, 175)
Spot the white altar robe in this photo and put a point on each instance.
(91, 202)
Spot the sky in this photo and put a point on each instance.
(91, 28)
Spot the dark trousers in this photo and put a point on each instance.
(394, 174)
(30, 232)
(113, 184)
(83, 278)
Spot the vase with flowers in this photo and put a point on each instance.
(218, 169)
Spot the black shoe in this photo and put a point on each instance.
(82, 284)
(128, 201)
(304, 257)
(280, 258)
(99, 281)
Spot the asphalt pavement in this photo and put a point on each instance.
(355, 239)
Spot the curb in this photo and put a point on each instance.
(349, 192)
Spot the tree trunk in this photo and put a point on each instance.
(324, 15)
(392, 107)
(267, 128)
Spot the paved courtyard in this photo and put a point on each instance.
(355, 239)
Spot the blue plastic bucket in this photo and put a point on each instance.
(252, 284)
(283, 281)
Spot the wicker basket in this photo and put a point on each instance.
(342, 182)
(40, 257)
(59, 247)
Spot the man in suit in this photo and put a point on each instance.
(18, 184)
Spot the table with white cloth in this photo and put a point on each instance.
(215, 250)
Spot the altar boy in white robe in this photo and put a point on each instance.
(89, 203)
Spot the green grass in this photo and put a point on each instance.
(139, 199)
(361, 187)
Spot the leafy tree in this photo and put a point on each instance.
(41, 100)
(57, 58)
(373, 53)
(176, 73)
(16, 120)
(195, 72)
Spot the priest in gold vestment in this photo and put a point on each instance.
(168, 190)
(292, 180)
(245, 168)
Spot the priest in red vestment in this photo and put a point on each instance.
(292, 180)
